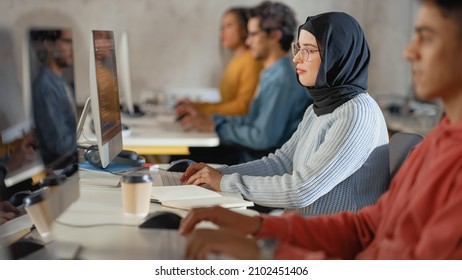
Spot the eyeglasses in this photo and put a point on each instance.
(304, 53)
(253, 34)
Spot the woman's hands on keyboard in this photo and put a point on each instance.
(202, 174)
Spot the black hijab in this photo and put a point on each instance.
(344, 60)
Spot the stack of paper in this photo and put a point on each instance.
(91, 176)
(187, 197)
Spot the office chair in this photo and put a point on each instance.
(400, 146)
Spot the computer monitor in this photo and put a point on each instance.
(20, 156)
(128, 107)
(104, 94)
(19, 160)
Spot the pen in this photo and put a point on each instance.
(180, 117)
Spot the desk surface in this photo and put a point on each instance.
(159, 134)
(162, 130)
(96, 223)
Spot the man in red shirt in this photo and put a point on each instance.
(418, 218)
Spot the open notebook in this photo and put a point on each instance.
(187, 197)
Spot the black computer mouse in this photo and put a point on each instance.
(162, 220)
(180, 165)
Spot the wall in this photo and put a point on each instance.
(175, 42)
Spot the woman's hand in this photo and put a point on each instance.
(223, 218)
(202, 174)
(203, 242)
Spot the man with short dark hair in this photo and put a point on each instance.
(53, 98)
(280, 102)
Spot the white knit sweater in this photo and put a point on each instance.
(332, 163)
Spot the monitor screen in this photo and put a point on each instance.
(104, 92)
(19, 158)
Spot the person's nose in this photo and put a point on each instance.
(410, 52)
(297, 58)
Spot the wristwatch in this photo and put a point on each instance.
(267, 248)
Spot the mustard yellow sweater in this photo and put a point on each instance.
(237, 87)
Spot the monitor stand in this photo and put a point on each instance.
(86, 109)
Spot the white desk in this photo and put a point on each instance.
(121, 240)
(97, 224)
(158, 134)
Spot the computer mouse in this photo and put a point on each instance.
(162, 220)
(180, 165)
(17, 198)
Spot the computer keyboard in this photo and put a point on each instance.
(170, 178)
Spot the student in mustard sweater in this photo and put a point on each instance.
(240, 78)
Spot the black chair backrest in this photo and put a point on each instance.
(401, 144)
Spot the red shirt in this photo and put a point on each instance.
(420, 217)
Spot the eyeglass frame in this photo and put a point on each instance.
(255, 33)
(296, 49)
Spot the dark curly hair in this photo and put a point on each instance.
(276, 16)
(42, 35)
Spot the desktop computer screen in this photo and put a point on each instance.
(19, 158)
(104, 93)
(21, 154)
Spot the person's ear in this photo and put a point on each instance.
(276, 34)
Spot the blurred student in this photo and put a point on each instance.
(279, 104)
(418, 218)
(337, 159)
(53, 99)
(240, 78)
(13, 156)
(7, 211)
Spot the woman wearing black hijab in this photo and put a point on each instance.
(337, 159)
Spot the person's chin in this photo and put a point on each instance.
(423, 94)
(305, 82)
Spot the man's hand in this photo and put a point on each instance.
(202, 242)
(223, 218)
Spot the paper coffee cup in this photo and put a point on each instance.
(136, 193)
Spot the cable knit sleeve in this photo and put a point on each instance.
(351, 135)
